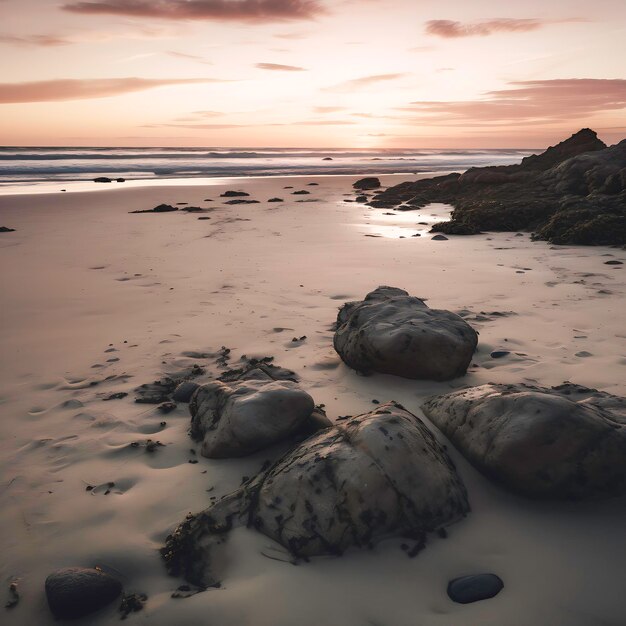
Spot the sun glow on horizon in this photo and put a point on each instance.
(381, 74)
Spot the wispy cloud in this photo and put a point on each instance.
(328, 109)
(451, 29)
(85, 89)
(530, 102)
(191, 57)
(35, 40)
(277, 67)
(363, 82)
(260, 11)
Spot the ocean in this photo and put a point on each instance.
(24, 166)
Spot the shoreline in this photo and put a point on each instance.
(98, 301)
(47, 187)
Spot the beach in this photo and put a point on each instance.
(97, 300)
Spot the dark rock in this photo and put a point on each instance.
(573, 193)
(184, 391)
(367, 183)
(74, 592)
(473, 588)
(161, 390)
(439, 238)
(132, 603)
(242, 201)
(498, 354)
(102, 179)
(6, 229)
(374, 476)
(302, 192)
(313, 185)
(327, 159)
(361, 199)
(162, 208)
(563, 443)
(455, 228)
(234, 194)
(14, 596)
(393, 333)
(120, 180)
(275, 200)
(613, 262)
(118, 395)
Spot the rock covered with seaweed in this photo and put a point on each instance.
(573, 193)
(373, 476)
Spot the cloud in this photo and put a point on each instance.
(85, 89)
(277, 67)
(450, 29)
(257, 125)
(365, 81)
(191, 57)
(35, 40)
(530, 102)
(259, 11)
(328, 109)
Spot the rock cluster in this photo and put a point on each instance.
(573, 193)
(391, 332)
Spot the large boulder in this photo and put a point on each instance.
(377, 475)
(565, 443)
(74, 592)
(393, 333)
(239, 417)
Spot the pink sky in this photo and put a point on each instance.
(310, 73)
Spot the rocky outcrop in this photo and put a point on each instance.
(377, 475)
(565, 443)
(574, 192)
(391, 332)
(254, 411)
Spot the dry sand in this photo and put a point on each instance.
(92, 294)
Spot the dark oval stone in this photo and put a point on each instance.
(474, 588)
(498, 354)
(76, 591)
(184, 391)
(439, 238)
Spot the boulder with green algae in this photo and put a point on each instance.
(373, 476)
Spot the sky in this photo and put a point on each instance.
(311, 73)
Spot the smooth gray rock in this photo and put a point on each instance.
(73, 592)
(237, 418)
(473, 588)
(373, 476)
(393, 333)
(564, 443)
